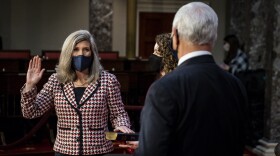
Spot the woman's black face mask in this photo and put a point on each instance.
(81, 62)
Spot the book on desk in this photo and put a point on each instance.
(118, 136)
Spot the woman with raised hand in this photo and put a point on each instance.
(84, 97)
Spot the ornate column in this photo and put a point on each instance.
(131, 28)
(272, 66)
(261, 38)
(100, 23)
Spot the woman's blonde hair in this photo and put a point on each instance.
(65, 71)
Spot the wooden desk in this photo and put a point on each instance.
(11, 83)
(134, 85)
(113, 65)
(132, 65)
(11, 65)
(14, 60)
(49, 65)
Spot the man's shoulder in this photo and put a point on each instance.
(170, 78)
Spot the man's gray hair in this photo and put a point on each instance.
(196, 22)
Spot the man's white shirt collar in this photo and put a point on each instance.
(191, 55)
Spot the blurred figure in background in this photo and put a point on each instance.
(163, 60)
(235, 59)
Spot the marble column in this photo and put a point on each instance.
(261, 33)
(272, 66)
(257, 22)
(100, 23)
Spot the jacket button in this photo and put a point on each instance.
(78, 139)
(78, 126)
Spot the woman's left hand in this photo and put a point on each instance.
(123, 129)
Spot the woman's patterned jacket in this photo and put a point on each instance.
(81, 126)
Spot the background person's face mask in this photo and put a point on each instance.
(81, 62)
(174, 52)
(226, 47)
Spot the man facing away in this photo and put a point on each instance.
(198, 109)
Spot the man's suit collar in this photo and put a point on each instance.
(191, 55)
(198, 60)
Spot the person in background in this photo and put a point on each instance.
(162, 59)
(235, 59)
(198, 109)
(83, 95)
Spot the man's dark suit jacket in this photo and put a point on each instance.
(197, 110)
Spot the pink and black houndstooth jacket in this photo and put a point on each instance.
(80, 127)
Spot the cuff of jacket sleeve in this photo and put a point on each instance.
(29, 93)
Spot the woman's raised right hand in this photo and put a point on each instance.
(34, 73)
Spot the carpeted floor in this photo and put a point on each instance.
(45, 149)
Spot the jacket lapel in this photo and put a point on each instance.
(90, 90)
(68, 90)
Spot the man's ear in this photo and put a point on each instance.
(175, 38)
